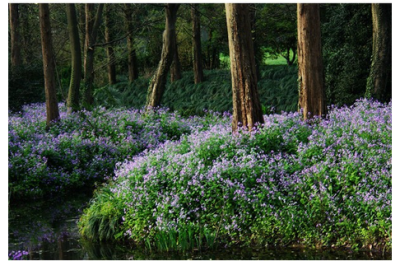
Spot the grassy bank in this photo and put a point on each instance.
(322, 184)
(277, 89)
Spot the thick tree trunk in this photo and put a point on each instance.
(379, 83)
(157, 84)
(176, 72)
(246, 104)
(112, 76)
(196, 45)
(311, 85)
(48, 65)
(133, 71)
(90, 40)
(76, 70)
(15, 37)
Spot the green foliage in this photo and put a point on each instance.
(347, 48)
(277, 89)
(102, 221)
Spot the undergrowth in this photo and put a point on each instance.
(277, 90)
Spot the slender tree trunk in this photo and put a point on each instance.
(379, 83)
(209, 55)
(48, 65)
(76, 70)
(215, 58)
(157, 84)
(133, 71)
(311, 85)
(112, 76)
(196, 45)
(290, 62)
(82, 26)
(15, 37)
(91, 34)
(246, 104)
(176, 73)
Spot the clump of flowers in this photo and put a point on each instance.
(85, 146)
(17, 255)
(323, 183)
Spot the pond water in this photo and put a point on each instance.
(48, 230)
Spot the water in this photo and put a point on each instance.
(48, 230)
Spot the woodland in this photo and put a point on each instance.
(206, 125)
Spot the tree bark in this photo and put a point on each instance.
(311, 85)
(90, 39)
(246, 104)
(133, 71)
(176, 72)
(379, 82)
(196, 45)
(76, 65)
(48, 66)
(16, 59)
(157, 84)
(82, 25)
(108, 20)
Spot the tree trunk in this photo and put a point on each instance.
(257, 53)
(90, 40)
(48, 65)
(76, 66)
(82, 25)
(196, 45)
(157, 84)
(176, 73)
(311, 86)
(246, 104)
(15, 37)
(379, 82)
(133, 71)
(112, 76)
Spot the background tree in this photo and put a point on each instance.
(92, 26)
(16, 59)
(132, 60)
(277, 31)
(379, 82)
(246, 104)
(48, 65)
(109, 36)
(196, 44)
(76, 60)
(311, 86)
(215, 35)
(157, 84)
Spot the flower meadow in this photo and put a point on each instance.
(326, 182)
(83, 147)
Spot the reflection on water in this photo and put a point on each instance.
(48, 230)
